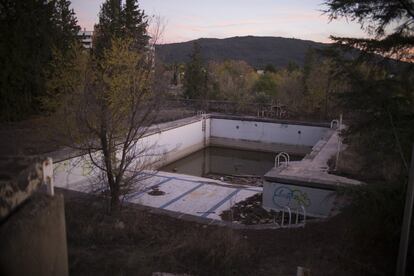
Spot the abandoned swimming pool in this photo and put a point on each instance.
(185, 192)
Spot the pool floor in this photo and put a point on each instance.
(184, 194)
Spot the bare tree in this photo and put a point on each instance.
(105, 108)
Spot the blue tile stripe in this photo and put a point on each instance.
(227, 198)
(181, 196)
(198, 181)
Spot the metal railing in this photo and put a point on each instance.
(263, 110)
(286, 159)
(298, 222)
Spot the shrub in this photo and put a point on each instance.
(375, 214)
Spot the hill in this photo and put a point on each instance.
(257, 51)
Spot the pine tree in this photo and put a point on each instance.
(121, 21)
(65, 24)
(309, 62)
(22, 24)
(195, 75)
(135, 24)
(29, 29)
(391, 22)
(380, 101)
(109, 26)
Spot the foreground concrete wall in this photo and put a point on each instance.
(162, 147)
(267, 132)
(33, 239)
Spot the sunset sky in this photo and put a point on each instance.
(191, 19)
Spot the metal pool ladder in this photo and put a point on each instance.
(285, 159)
(297, 222)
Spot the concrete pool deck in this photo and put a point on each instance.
(192, 195)
(196, 196)
(312, 171)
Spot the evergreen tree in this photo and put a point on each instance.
(120, 21)
(309, 62)
(29, 29)
(380, 100)
(109, 26)
(65, 24)
(391, 22)
(135, 23)
(195, 75)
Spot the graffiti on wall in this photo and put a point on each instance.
(290, 197)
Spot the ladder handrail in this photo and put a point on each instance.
(335, 122)
(285, 156)
(298, 213)
(283, 216)
(304, 214)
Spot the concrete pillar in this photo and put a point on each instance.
(33, 238)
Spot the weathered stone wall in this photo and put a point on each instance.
(19, 178)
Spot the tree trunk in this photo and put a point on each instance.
(115, 202)
(107, 150)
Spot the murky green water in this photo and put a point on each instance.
(225, 161)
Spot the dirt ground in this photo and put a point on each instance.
(135, 242)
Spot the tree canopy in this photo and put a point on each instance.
(117, 20)
(30, 30)
(379, 100)
(390, 22)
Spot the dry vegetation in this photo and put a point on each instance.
(136, 242)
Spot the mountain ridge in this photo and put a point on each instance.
(258, 51)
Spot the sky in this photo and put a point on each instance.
(186, 20)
